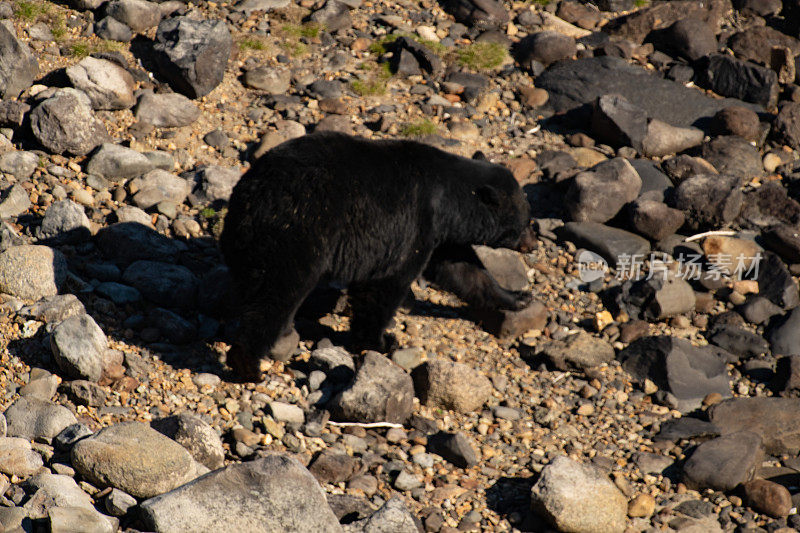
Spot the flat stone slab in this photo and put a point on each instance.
(573, 84)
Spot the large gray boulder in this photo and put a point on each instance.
(108, 85)
(65, 122)
(18, 66)
(192, 54)
(274, 493)
(32, 272)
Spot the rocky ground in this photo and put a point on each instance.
(615, 402)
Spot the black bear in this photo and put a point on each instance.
(373, 215)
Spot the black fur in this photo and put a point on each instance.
(371, 214)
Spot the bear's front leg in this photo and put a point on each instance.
(374, 304)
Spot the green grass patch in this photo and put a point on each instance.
(309, 30)
(252, 43)
(29, 11)
(208, 212)
(482, 56)
(419, 129)
(294, 49)
(79, 49)
(640, 3)
(369, 87)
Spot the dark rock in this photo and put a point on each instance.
(768, 497)
(192, 54)
(784, 240)
(274, 493)
(424, 56)
(85, 392)
(617, 122)
(785, 336)
(656, 298)
(756, 43)
(724, 462)
(691, 38)
(655, 220)
(769, 205)
(653, 179)
(786, 126)
(687, 372)
(775, 419)
(113, 30)
(349, 508)
(174, 328)
(737, 120)
(381, 391)
(728, 76)
(708, 200)
(454, 448)
(163, 283)
(65, 122)
(556, 166)
(733, 155)
(573, 84)
(686, 428)
(335, 362)
(786, 380)
(598, 194)
(776, 283)
(126, 242)
(546, 47)
(478, 13)
(333, 16)
(334, 467)
(272, 80)
(71, 434)
(611, 243)
(18, 65)
(738, 341)
(684, 166)
(758, 310)
(637, 25)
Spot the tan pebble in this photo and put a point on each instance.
(712, 399)
(641, 506)
(586, 409)
(771, 162)
(746, 286)
(650, 387)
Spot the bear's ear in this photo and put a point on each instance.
(479, 156)
(488, 195)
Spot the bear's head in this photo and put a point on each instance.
(498, 214)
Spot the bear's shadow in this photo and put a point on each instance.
(139, 325)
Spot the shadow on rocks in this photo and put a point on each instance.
(510, 497)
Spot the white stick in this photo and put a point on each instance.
(726, 233)
(366, 425)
